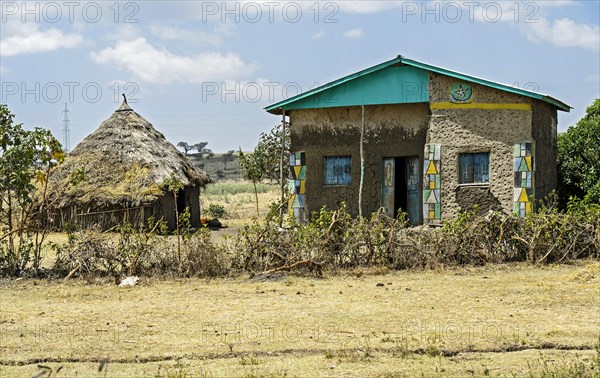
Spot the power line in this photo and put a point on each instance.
(66, 131)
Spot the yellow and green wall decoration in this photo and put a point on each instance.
(432, 184)
(524, 167)
(297, 185)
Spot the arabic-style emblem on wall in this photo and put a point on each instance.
(461, 93)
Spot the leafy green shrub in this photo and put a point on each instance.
(26, 158)
(216, 210)
(579, 158)
(332, 240)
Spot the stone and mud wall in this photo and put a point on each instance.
(493, 122)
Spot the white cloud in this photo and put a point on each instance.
(565, 32)
(556, 3)
(176, 32)
(368, 6)
(354, 33)
(159, 66)
(530, 20)
(318, 35)
(124, 32)
(32, 40)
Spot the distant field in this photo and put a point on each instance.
(506, 320)
(219, 166)
(237, 197)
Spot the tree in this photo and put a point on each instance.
(174, 186)
(228, 156)
(186, 147)
(26, 158)
(200, 146)
(270, 145)
(206, 151)
(265, 161)
(579, 158)
(254, 168)
(202, 150)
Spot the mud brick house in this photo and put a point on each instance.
(420, 138)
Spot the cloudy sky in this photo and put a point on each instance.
(204, 70)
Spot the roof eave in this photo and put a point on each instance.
(279, 107)
(503, 87)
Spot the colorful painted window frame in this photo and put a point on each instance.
(474, 168)
(337, 170)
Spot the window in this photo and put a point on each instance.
(337, 170)
(474, 168)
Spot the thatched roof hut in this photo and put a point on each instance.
(115, 175)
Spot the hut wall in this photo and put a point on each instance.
(104, 219)
(192, 201)
(397, 130)
(166, 211)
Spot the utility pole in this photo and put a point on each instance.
(66, 131)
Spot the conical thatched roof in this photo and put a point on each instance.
(124, 162)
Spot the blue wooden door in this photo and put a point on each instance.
(413, 206)
(388, 187)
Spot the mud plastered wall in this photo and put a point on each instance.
(544, 134)
(390, 131)
(476, 130)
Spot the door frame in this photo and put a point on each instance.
(400, 178)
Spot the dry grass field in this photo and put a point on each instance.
(504, 320)
(237, 197)
(509, 320)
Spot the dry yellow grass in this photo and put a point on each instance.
(237, 197)
(497, 320)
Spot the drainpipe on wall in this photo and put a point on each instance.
(281, 162)
(362, 161)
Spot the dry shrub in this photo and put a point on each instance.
(143, 252)
(335, 240)
(87, 254)
(332, 240)
(203, 258)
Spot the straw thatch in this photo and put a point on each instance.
(121, 164)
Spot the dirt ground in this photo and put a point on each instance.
(505, 320)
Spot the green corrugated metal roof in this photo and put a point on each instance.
(390, 85)
(296, 102)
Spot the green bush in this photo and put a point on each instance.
(216, 210)
(579, 158)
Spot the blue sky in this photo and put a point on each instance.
(203, 70)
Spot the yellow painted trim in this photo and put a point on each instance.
(484, 106)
